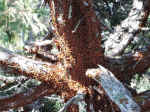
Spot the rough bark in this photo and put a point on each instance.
(78, 36)
(42, 71)
(129, 64)
(22, 99)
(128, 29)
(50, 74)
(114, 89)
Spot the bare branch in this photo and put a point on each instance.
(25, 98)
(45, 56)
(124, 33)
(82, 105)
(129, 64)
(54, 98)
(41, 43)
(52, 74)
(34, 47)
(41, 49)
(11, 79)
(35, 69)
(114, 89)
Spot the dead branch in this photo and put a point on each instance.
(34, 47)
(42, 71)
(19, 87)
(126, 31)
(114, 89)
(54, 98)
(25, 98)
(129, 64)
(25, 65)
(45, 56)
(41, 50)
(12, 79)
(40, 43)
(49, 35)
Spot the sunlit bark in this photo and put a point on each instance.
(128, 29)
(114, 89)
(78, 39)
(42, 71)
(78, 36)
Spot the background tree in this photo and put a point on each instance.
(94, 50)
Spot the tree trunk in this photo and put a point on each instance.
(78, 39)
(78, 36)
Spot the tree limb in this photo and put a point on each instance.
(46, 72)
(25, 98)
(33, 47)
(42, 50)
(27, 66)
(124, 33)
(114, 89)
(11, 79)
(129, 64)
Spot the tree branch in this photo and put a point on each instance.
(129, 64)
(114, 89)
(11, 79)
(40, 43)
(124, 33)
(41, 50)
(25, 98)
(49, 73)
(34, 69)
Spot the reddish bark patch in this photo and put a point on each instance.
(78, 36)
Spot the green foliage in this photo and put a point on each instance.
(141, 83)
(50, 106)
(19, 19)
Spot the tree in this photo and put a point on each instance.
(81, 72)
